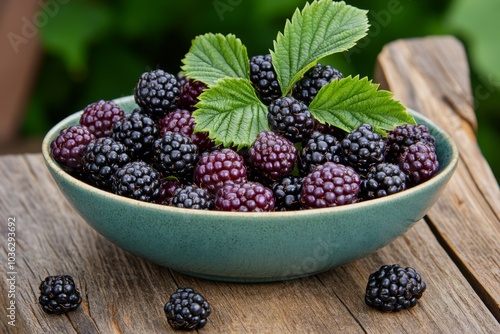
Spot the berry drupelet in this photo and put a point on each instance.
(157, 93)
(244, 197)
(59, 294)
(69, 147)
(317, 150)
(264, 78)
(382, 180)
(192, 197)
(175, 155)
(137, 180)
(187, 310)
(290, 118)
(313, 80)
(100, 116)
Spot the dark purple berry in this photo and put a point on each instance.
(100, 116)
(419, 163)
(244, 197)
(69, 147)
(190, 90)
(382, 180)
(403, 136)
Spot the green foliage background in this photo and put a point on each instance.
(96, 49)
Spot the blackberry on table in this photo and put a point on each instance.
(59, 294)
(330, 185)
(189, 92)
(290, 118)
(102, 157)
(157, 93)
(318, 149)
(192, 197)
(219, 166)
(419, 163)
(382, 180)
(175, 155)
(272, 155)
(137, 132)
(69, 147)
(313, 80)
(137, 180)
(244, 197)
(187, 309)
(100, 116)
(401, 137)
(287, 193)
(363, 148)
(264, 78)
(393, 288)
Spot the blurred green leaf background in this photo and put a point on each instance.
(96, 49)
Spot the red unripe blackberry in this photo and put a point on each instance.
(190, 90)
(69, 147)
(330, 185)
(419, 163)
(313, 80)
(264, 78)
(182, 121)
(244, 197)
(272, 155)
(100, 116)
(157, 93)
(403, 136)
(216, 167)
(290, 118)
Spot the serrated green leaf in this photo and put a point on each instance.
(231, 113)
(215, 56)
(322, 28)
(349, 102)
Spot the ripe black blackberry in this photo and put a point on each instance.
(59, 294)
(137, 132)
(219, 166)
(363, 148)
(100, 116)
(103, 156)
(393, 288)
(273, 156)
(382, 180)
(192, 197)
(317, 150)
(137, 180)
(182, 121)
(189, 92)
(419, 163)
(244, 197)
(187, 310)
(403, 136)
(175, 155)
(167, 190)
(287, 193)
(329, 185)
(157, 93)
(313, 80)
(290, 118)
(264, 78)
(69, 147)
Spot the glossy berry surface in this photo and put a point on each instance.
(69, 147)
(59, 294)
(100, 116)
(264, 78)
(187, 310)
(419, 163)
(382, 180)
(137, 180)
(157, 93)
(244, 197)
(290, 118)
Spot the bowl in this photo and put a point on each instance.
(251, 247)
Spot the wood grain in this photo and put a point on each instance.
(431, 76)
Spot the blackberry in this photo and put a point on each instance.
(175, 155)
(363, 148)
(69, 147)
(272, 156)
(182, 121)
(157, 93)
(137, 132)
(287, 193)
(167, 190)
(192, 197)
(382, 180)
(100, 116)
(103, 156)
(189, 92)
(330, 185)
(419, 163)
(290, 118)
(405, 135)
(393, 288)
(59, 294)
(317, 150)
(313, 80)
(137, 180)
(244, 197)
(330, 129)
(216, 167)
(187, 310)
(264, 78)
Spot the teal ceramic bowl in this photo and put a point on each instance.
(251, 247)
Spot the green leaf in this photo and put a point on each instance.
(322, 28)
(349, 102)
(231, 113)
(214, 56)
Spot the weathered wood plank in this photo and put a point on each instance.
(430, 75)
(125, 294)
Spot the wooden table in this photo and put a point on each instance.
(455, 247)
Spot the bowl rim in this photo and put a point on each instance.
(54, 166)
